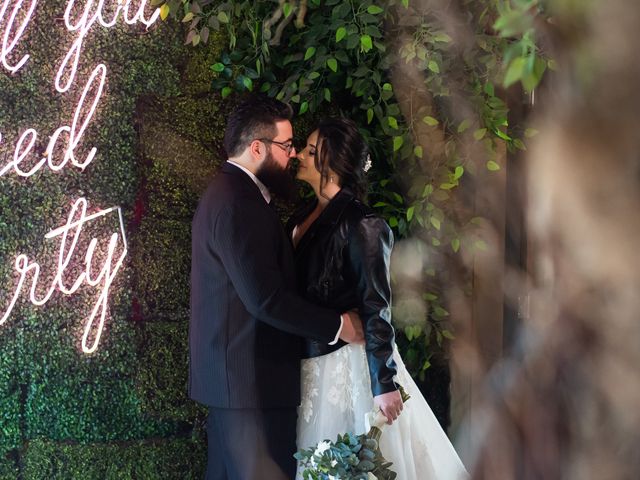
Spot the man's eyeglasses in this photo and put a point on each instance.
(286, 146)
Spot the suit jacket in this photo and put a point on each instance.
(342, 262)
(246, 320)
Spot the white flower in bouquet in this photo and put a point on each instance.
(322, 447)
(350, 456)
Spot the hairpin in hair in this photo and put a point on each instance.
(367, 163)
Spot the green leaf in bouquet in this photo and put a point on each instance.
(371, 443)
(366, 454)
(366, 465)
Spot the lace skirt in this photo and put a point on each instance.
(336, 395)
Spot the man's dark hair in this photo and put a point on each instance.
(254, 118)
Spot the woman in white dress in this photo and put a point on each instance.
(342, 252)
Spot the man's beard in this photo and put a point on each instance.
(279, 180)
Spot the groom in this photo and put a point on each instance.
(246, 327)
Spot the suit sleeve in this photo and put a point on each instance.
(371, 241)
(248, 240)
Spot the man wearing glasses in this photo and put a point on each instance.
(247, 324)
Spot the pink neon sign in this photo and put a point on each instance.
(92, 13)
(69, 235)
(62, 149)
(14, 31)
(26, 142)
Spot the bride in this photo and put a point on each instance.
(342, 252)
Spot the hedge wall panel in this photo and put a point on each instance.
(121, 412)
(183, 459)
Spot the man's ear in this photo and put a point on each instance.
(257, 149)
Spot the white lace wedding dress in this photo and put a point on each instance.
(336, 395)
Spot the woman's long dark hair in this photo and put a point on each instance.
(342, 149)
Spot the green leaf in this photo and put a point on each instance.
(311, 51)
(405, 3)
(247, 82)
(397, 143)
(440, 312)
(448, 334)
(314, 75)
(493, 166)
(442, 37)
(515, 71)
(327, 95)
(304, 107)
(489, 89)
(458, 172)
(530, 132)
(433, 66)
(502, 135)
(340, 34)
(387, 87)
(349, 83)
(417, 151)
(287, 8)
(393, 123)
(164, 11)
(435, 222)
(204, 34)
(410, 212)
(429, 120)
(369, 115)
(428, 190)
(393, 222)
(513, 23)
(226, 91)
(519, 144)
(455, 244)
(374, 9)
(217, 67)
(366, 43)
(188, 17)
(480, 133)
(332, 63)
(466, 123)
(412, 331)
(223, 17)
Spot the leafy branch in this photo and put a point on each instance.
(426, 83)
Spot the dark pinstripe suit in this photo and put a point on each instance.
(246, 323)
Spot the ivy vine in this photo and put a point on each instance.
(427, 85)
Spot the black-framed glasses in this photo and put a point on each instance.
(286, 146)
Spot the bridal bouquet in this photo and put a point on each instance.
(350, 457)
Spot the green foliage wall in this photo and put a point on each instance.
(121, 412)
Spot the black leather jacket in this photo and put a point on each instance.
(342, 262)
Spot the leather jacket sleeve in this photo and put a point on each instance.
(370, 244)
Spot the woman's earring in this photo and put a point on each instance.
(331, 179)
